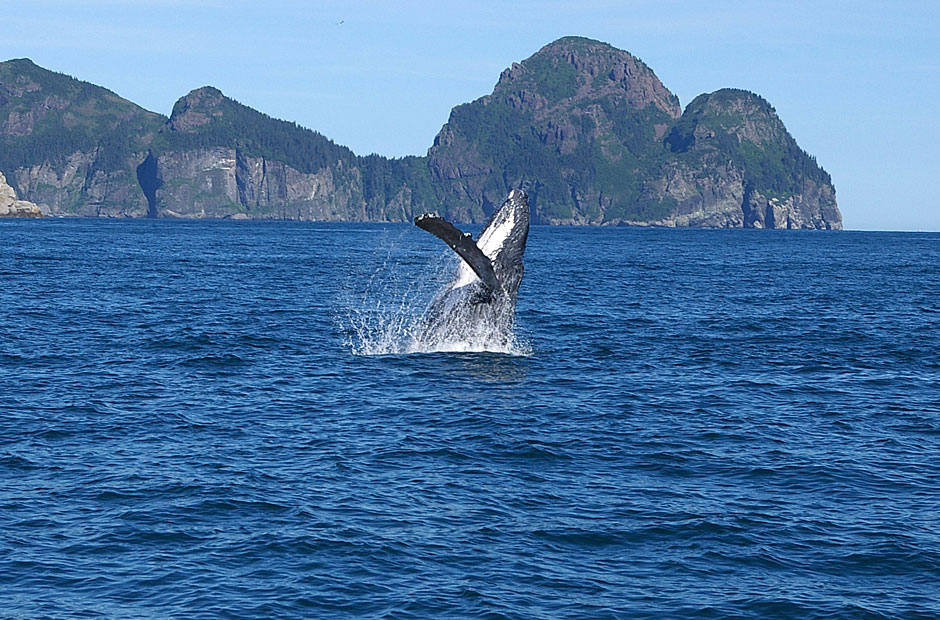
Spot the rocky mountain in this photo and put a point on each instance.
(587, 129)
(760, 177)
(79, 149)
(580, 124)
(69, 145)
(596, 138)
(218, 158)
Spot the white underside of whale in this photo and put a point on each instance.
(490, 243)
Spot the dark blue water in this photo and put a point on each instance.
(698, 424)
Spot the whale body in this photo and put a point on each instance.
(478, 305)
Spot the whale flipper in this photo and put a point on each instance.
(463, 244)
(477, 308)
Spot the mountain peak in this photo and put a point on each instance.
(578, 42)
(19, 62)
(588, 129)
(35, 99)
(735, 112)
(204, 93)
(576, 70)
(198, 108)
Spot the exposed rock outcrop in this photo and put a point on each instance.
(596, 138)
(221, 182)
(74, 185)
(69, 145)
(573, 124)
(10, 206)
(589, 130)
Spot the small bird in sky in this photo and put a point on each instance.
(340, 22)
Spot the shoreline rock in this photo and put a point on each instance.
(11, 206)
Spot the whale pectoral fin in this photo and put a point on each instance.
(462, 244)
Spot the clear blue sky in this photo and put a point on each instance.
(856, 82)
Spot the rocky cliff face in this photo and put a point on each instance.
(733, 164)
(587, 129)
(217, 158)
(574, 124)
(225, 182)
(69, 145)
(596, 138)
(76, 185)
(11, 207)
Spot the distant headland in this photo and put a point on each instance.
(586, 129)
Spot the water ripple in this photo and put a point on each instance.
(696, 424)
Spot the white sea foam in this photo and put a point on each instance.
(389, 317)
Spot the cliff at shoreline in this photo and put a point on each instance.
(10, 206)
(588, 130)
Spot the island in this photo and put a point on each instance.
(587, 130)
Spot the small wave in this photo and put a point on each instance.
(220, 361)
(17, 463)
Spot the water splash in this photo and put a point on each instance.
(390, 314)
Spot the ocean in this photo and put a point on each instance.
(226, 420)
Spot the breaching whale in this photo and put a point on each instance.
(478, 306)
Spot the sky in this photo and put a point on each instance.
(857, 83)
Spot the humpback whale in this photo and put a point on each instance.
(478, 305)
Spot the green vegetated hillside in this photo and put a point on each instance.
(580, 124)
(737, 134)
(218, 158)
(587, 129)
(70, 145)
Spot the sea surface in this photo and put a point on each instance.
(225, 420)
